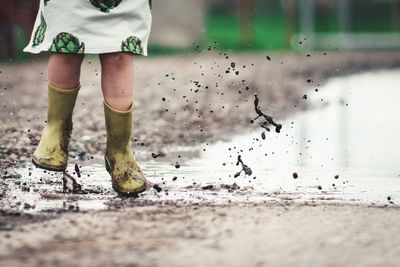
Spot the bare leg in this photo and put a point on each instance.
(64, 70)
(117, 79)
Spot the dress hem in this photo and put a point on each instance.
(90, 52)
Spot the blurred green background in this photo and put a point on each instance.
(268, 23)
(185, 26)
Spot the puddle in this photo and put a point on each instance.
(345, 149)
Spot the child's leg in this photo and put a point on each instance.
(117, 79)
(64, 70)
(117, 86)
(52, 150)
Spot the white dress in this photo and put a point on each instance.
(91, 26)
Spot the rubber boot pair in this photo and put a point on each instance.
(52, 150)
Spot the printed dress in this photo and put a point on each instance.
(91, 26)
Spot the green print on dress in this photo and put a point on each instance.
(105, 5)
(40, 32)
(132, 44)
(67, 43)
(45, 2)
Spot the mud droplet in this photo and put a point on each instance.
(295, 175)
(156, 155)
(246, 169)
(77, 170)
(157, 188)
(268, 118)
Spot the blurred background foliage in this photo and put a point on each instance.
(185, 26)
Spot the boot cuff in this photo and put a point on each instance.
(64, 91)
(107, 107)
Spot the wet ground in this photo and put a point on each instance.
(265, 235)
(181, 100)
(324, 191)
(332, 153)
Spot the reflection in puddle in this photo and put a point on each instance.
(346, 149)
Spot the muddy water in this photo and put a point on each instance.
(344, 148)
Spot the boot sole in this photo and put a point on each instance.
(48, 167)
(122, 193)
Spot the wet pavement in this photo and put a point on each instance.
(343, 149)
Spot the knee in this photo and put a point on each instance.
(116, 61)
(72, 60)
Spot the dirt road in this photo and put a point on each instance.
(210, 236)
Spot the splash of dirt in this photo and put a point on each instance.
(246, 169)
(269, 120)
(70, 185)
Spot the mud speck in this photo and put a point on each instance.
(263, 135)
(77, 170)
(157, 188)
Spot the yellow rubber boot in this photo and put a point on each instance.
(127, 177)
(52, 151)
